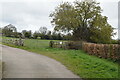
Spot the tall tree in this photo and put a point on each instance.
(36, 34)
(84, 19)
(9, 30)
(43, 30)
(49, 34)
(26, 34)
(100, 30)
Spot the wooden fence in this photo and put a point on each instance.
(17, 42)
(111, 51)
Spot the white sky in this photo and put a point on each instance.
(32, 14)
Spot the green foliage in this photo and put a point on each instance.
(77, 61)
(51, 35)
(101, 31)
(114, 42)
(9, 31)
(35, 35)
(43, 30)
(64, 17)
(0, 30)
(26, 34)
(85, 21)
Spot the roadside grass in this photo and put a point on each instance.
(79, 62)
(0, 69)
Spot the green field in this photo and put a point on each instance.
(77, 61)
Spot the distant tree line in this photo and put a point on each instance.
(81, 20)
(42, 33)
(10, 31)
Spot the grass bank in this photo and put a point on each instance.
(77, 61)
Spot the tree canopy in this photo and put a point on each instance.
(84, 19)
(9, 30)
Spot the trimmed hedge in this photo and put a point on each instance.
(109, 51)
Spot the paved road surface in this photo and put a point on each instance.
(23, 64)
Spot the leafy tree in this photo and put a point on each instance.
(36, 34)
(49, 34)
(100, 30)
(0, 31)
(43, 30)
(67, 37)
(23, 33)
(9, 30)
(19, 35)
(26, 34)
(54, 35)
(64, 17)
(59, 36)
(85, 21)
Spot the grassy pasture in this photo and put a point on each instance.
(77, 61)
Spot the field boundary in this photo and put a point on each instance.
(17, 42)
(106, 51)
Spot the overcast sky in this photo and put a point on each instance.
(32, 14)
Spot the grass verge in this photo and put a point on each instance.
(0, 69)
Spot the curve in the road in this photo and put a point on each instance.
(23, 64)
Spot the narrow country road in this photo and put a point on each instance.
(23, 64)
